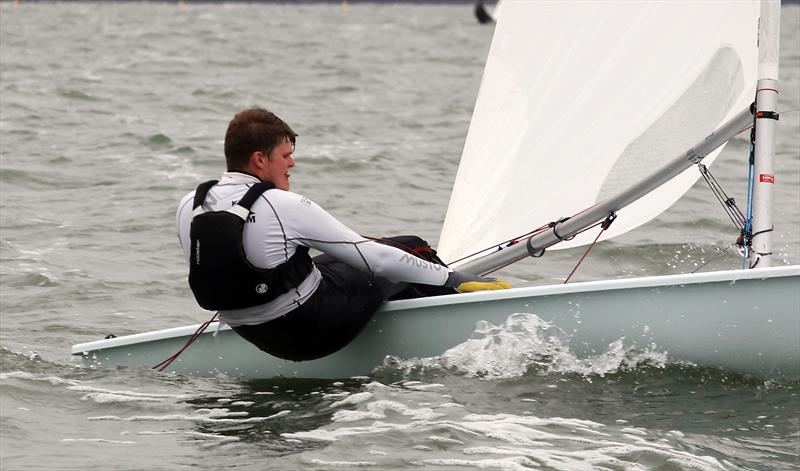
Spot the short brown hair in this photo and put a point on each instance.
(253, 130)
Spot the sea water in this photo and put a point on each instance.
(110, 112)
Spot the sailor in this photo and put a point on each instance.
(246, 239)
(481, 14)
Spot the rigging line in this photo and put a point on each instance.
(541, 251)
(748, 226)
(715, 188)
(751, 125)
(507, 243)
(758, 259)
(748, 223)
(492, 270)
(728, 204)
(762, 232)
(603, 226)
(720, 251)
(168, 361)
(527, 236)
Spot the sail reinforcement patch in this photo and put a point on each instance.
(707, 100)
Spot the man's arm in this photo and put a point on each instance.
(318, 229)
(183, 218)
(309, 225)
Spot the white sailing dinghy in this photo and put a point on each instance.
(604, 106)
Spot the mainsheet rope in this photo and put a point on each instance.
(197, 333)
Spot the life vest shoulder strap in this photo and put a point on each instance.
(201, 192)
(245, 202)
(253, 193)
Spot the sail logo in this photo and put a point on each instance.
(766, 178)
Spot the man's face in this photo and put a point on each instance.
(277, 165)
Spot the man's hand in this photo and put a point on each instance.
(466, 283)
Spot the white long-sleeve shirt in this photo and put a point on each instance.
(282, 221)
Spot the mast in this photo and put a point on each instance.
(569, 227)
(766, 124)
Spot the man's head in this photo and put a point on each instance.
(260, 143)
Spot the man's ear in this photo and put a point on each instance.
(258, 160)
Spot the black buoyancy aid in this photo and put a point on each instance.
(220, 275)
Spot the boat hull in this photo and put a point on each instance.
(744, 321)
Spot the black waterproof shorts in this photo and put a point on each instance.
(334, 315)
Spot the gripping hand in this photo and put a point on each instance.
(466, 283)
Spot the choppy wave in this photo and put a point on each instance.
(387, 425)
(537, 422)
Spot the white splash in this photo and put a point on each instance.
(525, 342)
(213, 416)
(344, 464)
(105, 396)
(353, 399)
(422, 387)
(97, 440)
(378, 410)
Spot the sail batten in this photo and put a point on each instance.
(579, 99)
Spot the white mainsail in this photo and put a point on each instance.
(568, 115)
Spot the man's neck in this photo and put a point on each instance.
(245, 172)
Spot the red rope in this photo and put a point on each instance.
(605, 225)
(197, 333)
(399, 245)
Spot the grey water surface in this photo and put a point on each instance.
(110, 112)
